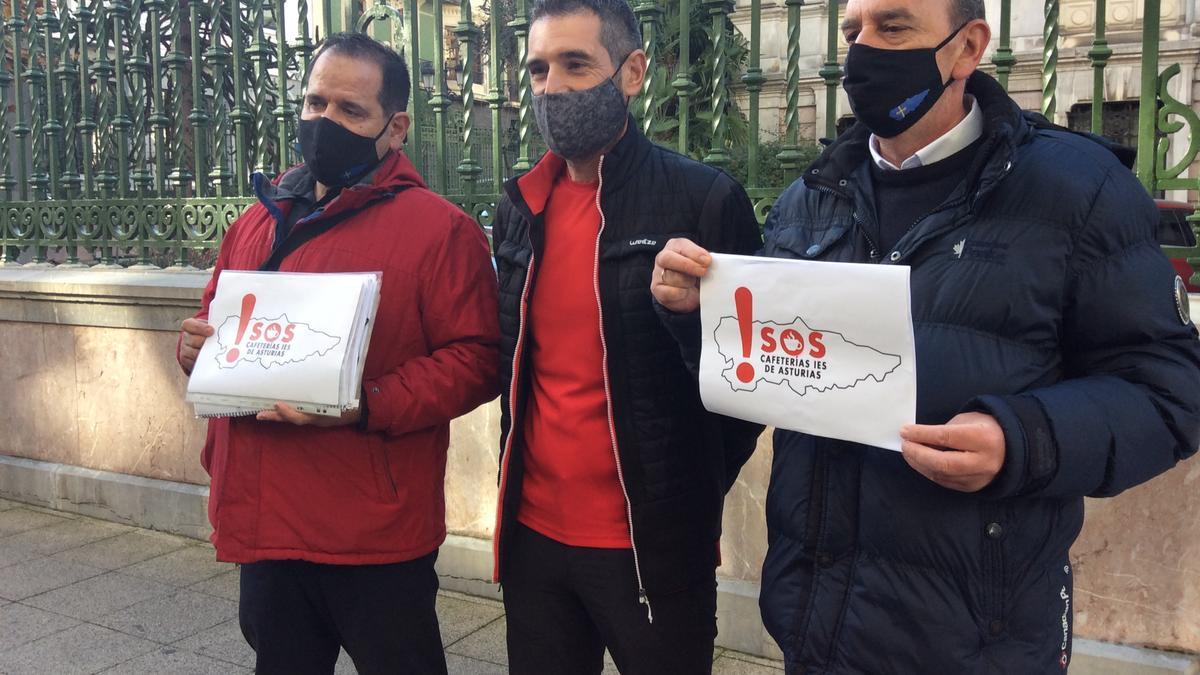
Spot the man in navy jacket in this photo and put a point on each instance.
(1055, 355)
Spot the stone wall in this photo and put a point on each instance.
(88, 378)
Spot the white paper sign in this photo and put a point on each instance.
(821, 348)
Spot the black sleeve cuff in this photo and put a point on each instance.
(1030, 454)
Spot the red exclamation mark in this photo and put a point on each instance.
(744, 301)
(244, 320)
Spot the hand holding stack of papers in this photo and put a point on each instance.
(300, 339)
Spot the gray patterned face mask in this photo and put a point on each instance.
(579, 124)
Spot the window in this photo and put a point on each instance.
(1120, 120)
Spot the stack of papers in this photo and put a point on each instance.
(300, 339)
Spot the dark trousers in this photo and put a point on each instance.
(297, 615)
(565, 604)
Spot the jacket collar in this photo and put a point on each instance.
(394, 173)
(532, 189)
(1005, 127)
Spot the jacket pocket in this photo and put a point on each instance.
(385, 480)
(804, 243)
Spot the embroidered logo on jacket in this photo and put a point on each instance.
(983, 251)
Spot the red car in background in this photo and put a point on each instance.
(1174, 231)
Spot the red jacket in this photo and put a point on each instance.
(341, 495)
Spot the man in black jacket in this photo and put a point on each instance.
(612, 475)
(1055, 360)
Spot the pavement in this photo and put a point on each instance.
(79, 595)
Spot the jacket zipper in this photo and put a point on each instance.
(612, 427)
(874, 252)
(512, 416)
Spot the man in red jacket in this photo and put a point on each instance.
(337, 522)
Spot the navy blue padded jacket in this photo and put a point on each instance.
(1041, 297)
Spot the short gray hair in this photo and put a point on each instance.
(963, 11)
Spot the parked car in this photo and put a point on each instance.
(1175, 231)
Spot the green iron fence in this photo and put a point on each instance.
(129, 128)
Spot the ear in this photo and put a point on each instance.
(400, 125)
(633, 74)
(976, 36)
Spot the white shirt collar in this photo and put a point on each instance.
(963, 134)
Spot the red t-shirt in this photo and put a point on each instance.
(571, 492)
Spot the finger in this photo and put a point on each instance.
(198, 327)
(955, 436)
(689, 249)
(962, 471)
(269, 416)
(291, 415)
(673, 261)
(939, 466)
(676, 280)
(193, 341)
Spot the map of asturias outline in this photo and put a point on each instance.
(306, 342)
(832, 366)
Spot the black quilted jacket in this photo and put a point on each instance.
(677, 461)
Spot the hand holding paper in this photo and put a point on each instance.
(964, 454)
(286, 414)
(678, 269)
(195, 332)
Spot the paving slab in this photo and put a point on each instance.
(94, 598)
(176, 662)
(457, 664)
(187, 566)
(127, 549)
(171, 618)
(62, 536)
(20, 624)
(24, 518)
(223, 642)
(726, 664)
(27, 579)
(66, 515)
(486, 644)
(13, 553)
(344, 665)
(458, 617)
(81, 650)
(227, 585)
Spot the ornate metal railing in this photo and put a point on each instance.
(129, 128)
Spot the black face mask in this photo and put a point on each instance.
(890, 90)
(336, 156)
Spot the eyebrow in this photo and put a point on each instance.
(576, 54)
(879, 16)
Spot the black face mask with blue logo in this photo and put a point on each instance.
(890, 90)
